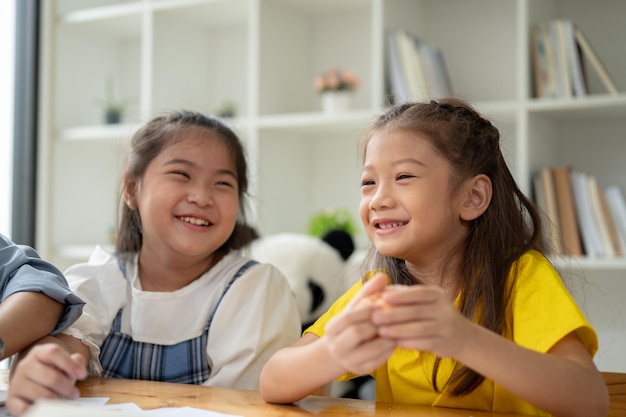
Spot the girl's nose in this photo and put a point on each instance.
(201, 196)
(381, 199)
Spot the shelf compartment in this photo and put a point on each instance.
(298, 172)
(85, 177)
(481, 64)
(200, 60)
(562, 139)
(603, 26)
(317, 40)
(88, 62)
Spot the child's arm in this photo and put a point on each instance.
(294, 372)
(49, 369)
(41, 312)
(563, 382)
(32, 291)
(350, 345)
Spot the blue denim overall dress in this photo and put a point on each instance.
(184, 362)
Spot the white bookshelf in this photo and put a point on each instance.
(262, 55)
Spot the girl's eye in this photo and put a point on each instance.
(367, 182)
(405, 176)
(181, 173)
(225, 183)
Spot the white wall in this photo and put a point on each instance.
(7, 48)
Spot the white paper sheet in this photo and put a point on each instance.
(96, 407)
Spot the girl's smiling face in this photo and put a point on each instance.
(408, 206)
(188, 198)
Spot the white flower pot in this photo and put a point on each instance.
(336, 101)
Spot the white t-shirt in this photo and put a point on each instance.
(256, 317)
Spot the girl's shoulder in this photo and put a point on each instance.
(534, 269)
(533, 259)
(102, 265)
(236, 263)
(243, 276)
(102, 255)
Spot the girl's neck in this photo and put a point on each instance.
(444, 274)
(167, 275)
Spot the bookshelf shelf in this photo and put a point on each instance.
(119, 132)
(94, 15)
(316, 121)
(235, 50)
(591, 264)
(590, 107)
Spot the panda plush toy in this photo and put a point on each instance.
(318, 270)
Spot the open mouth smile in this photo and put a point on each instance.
(195, 221)
(389, 225)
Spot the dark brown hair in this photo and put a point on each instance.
(148, 142)
(505, 231)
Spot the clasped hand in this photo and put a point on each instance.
(381, 318)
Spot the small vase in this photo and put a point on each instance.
(336, 101)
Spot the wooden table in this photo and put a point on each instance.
(149, 395)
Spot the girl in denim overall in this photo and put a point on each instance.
(175, 301)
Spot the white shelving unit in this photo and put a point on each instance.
(262, 55)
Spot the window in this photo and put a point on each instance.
(7, 48)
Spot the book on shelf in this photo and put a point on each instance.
(551, 72)
(582, 218)
(416, 70)
(545, 200)
(548, 61)
(436, 73)
(589, 53)
(578, 82)
(618, 246)
(589, 231)
(600, 218)
(566, 208)
(617, 207)
(559, 45)
(541, 67)
(538, 61)
(560, 51)
(411, 64)
(395, 73)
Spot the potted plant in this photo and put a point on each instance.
(113, 109)
(227, 110)
(326, 220)
(336, 86)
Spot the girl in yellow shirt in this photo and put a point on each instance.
(477, 317)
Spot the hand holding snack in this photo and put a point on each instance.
(350, 336)
(420, 317)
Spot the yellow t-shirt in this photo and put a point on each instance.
(542, 312)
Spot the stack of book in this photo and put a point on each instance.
(560, 52)
(582, 218)
(416, 70)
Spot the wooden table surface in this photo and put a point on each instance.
(149, 395)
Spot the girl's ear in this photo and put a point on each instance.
(476, 197)
(130, 193)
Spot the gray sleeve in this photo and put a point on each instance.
(21, 269)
